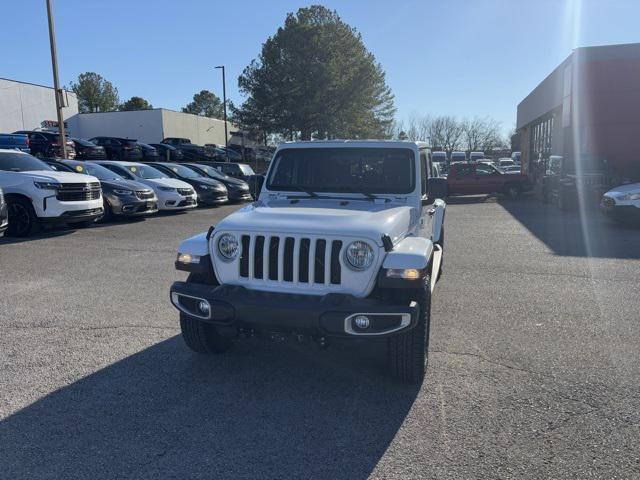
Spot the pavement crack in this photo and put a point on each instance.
(494, 362)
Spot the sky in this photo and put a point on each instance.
(441, 57)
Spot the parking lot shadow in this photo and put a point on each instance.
(261, 411)
(589, 234)
(467, 199)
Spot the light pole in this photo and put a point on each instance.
(56, 82)
(224, 104)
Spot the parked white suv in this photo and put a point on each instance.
(37, 195)
(343, 241)
(173, 194)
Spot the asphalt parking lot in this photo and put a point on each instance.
(533, 369)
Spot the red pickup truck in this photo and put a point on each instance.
(466, 178)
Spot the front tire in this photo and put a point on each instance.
(408, 352)
(202, 337)
(23, 221)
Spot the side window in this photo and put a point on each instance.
(424, 172)
(484, 170)
(464, 171)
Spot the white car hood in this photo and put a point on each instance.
(166, 182)
(624, 190)
(322, 217)
(62, 177)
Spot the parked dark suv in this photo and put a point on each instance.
(119, 148)
(149, 153)
(241, 171)
(563, 185)
(191, 151)
(87, 150)
(47, 144)
(168, 152)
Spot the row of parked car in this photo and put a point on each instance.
(40, 191)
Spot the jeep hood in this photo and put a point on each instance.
(330, 217)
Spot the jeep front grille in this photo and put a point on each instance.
(291, 259)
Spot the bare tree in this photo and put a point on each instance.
(445, 132)
(481, 134)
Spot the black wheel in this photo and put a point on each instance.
(23, 221)
(408, 352)
(108, 212)
(200, 336)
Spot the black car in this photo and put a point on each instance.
(191, 151)
(4, 214)
(209, 191)
(564, 185)
(117, 148)
(122, 198)
(168, 153)
(149, 153)
(241, 171)
(47, 144)
(238, 189)
(87, 150)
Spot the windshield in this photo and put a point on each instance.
(21, 162)
(246, 169)
(98, 171)
(348, 170)
(183, 171)
(145, 171)
(84, 143)
(214, 172)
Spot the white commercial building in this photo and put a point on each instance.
(26, 106)
(150, 126)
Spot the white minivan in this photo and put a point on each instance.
(173, 194)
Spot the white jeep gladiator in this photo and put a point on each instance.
(344, 240)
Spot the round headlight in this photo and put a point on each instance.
(359, 255)
(228, 246)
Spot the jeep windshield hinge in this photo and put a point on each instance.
(387, 243)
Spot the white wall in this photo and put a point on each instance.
(23, 106)
(142, 125)
(199, 130)
(149, 126)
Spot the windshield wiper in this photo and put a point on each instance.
(311, 193)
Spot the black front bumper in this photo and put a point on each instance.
(212, 197)
(627, 213)
(328, 315)
(75, 216)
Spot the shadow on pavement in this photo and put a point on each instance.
(43, 235)
(589, 234)
(260, 411)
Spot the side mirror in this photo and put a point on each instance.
(437, 187)
(259, 184)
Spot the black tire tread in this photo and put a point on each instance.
(408, 352)
(200, 336)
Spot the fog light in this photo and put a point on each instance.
(204, 308)
(361, 322)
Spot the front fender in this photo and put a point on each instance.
(196, 245)
(412, 252)
(193, 255)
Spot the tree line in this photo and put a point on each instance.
(314, 79)
(449, 134)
